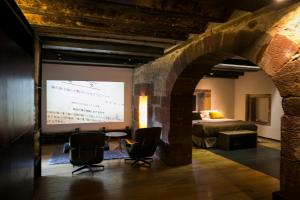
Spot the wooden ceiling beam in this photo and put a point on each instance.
(82, 62)
(132, 41)
(141, 59)
(67, 57)
(57, 32)
(102, 45)
(99, 50)
(224, 74)
(235, 69)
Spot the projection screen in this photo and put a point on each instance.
(69, 102)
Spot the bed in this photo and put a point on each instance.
(205, 131)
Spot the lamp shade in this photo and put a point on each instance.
(143, 111)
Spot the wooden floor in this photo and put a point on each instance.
(269, 143)
(208, 177)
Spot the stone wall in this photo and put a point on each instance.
(270, 38)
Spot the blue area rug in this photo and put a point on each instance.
(263, 159)
(58, 157)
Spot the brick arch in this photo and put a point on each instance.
(266, 38)
(190, 65)
(278, 57)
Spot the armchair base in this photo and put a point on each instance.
(90, 167)
(144, 160)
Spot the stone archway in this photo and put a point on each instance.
(269, 38)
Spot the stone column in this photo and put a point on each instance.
(287, 80)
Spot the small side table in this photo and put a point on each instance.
(116, 135)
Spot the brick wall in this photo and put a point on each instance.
(269, 38)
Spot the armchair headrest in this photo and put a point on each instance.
(148, 134)
(87, 139)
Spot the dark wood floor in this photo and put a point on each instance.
(208, 177)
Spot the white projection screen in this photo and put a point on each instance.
(74, 102)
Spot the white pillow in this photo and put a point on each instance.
(205, 114)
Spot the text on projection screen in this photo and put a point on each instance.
(71, 102)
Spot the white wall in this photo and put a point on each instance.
(87, 73)
(222, 94)
(259, 83)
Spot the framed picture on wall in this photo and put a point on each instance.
(202, 100)
(258, 108)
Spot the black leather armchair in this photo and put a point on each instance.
(144, 145)
(86, 150)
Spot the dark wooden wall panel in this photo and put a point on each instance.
(16, 107)
(16, 169)
(16, 128)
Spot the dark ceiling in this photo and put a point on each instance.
(122, 33)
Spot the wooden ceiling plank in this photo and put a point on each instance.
(108, 17)
(210, 10)
(149, 30)
(175, 6)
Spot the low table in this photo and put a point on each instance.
(116, 135)
(240, 139)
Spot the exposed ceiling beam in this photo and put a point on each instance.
(64, 57)
(87, 63)
(233, 67)
(151, 42)
(94, 58)
(92, 50)
(238, 61)
(81, 50)
(126, 58)
(95, 36)
(224, 74)
(103, 47)
(236, 64)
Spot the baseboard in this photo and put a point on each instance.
(269, 139)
